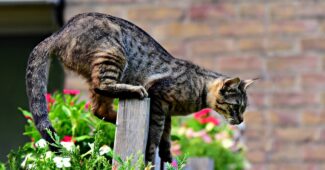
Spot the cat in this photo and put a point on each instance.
(120, 60)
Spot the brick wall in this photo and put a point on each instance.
(281, 41)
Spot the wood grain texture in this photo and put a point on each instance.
(132, 128)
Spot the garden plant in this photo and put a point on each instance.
(85, 142)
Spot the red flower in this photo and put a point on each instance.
(49, 98)
(204, 112)
(211, 119)
(203, 117)
(71, 92)
(28, 117)
(68, 139)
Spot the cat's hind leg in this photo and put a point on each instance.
(164, 145)
(156, 128)
(102, 107)
(107, 70)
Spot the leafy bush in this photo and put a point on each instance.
(202, 135)
(84, 141)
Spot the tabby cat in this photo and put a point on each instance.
(120, 60)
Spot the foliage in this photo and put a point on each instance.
(203, 135)
(84, 141)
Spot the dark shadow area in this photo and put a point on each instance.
(14, 52)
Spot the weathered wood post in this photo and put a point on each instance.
(132, 126)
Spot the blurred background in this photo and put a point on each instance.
(283, 42)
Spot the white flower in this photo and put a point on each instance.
(61, 162)
(30, 166)
(227, 143)
(91, 145)
(104, 150)
(48, 154)
(67, 145)
(41, 143)
(23, 164)
(209, 126)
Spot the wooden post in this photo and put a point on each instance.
(200, 164)
(132, 126)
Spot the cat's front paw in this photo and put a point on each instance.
(165, 155)
(141, 91)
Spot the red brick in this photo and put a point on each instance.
(293, 99)
(293, 27)
(314, 118)
(282, 82)
(182, 31)
(210, 47)
(177, 49)
(241, 28)
(258, 166)
(239, 64)
(315, 152)
(256, 156)
(254, 118)
(293, 64)
(250, 44)
(255, 132)
(322, 132)
(313, 81)
(218, 11)
(152, 13)
(206, 62)
(254, 10)
(292, 166)
(283, 10)
(287, 152)
(256, 144)
(283, 117)
(296, 134)
(278, 44)
(313, 44)
(302, 9)
(256, 99)
(323, 98)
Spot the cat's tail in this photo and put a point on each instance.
(36, 86)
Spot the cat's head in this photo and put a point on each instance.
(228, 97)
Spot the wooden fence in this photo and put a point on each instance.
(131, 135)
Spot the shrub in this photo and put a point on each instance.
(202, 135)
(85, 141)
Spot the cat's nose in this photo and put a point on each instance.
(237, 120)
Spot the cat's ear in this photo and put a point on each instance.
(246, 83)
(232, 82)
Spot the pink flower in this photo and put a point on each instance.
(67, 139)
(71, 92)
(175, 148)
(87, 105)
(206, 138)
(174, 164)
(189, 133)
